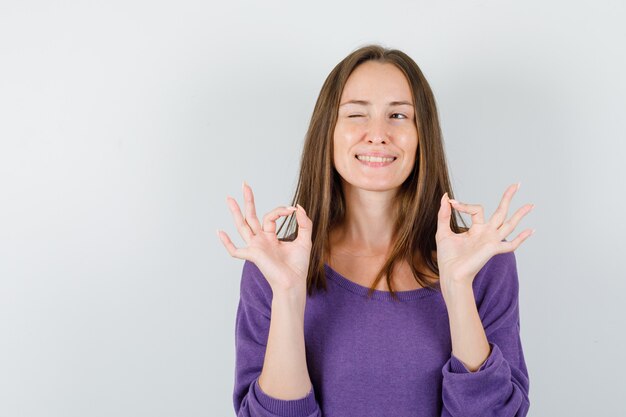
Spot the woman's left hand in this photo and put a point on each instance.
(460, 256)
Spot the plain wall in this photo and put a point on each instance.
(125, 124)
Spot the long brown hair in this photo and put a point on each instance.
(417, 202)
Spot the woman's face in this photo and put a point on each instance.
(382, 122)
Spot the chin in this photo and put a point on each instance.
(375, 186)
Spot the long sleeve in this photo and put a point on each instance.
(500, 387)
(252, 325)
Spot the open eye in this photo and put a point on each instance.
(400, 115)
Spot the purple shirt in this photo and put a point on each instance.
(379, 357)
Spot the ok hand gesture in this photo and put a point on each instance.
(461, 255)
(285, 265)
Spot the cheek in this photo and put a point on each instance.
(340, 152)
(347, 129)
(409, 145)
(412, 154)
(343, 140)
(410, 142)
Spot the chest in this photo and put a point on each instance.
(371, 356)
(363, 272)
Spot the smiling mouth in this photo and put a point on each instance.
(375, 161)
(365, 158)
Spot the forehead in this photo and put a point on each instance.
(375, 80)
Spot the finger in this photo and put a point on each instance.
(443, 217)
(515, 243)
(475, 210)
(510, 225)
(501, 212)
(250, 218)
(242, 227)
(269, 220)
(305, 225)
(235, 252)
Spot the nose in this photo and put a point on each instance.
(378, 130)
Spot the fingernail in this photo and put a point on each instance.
(243, 185)
(532, 231)
(292, 208)
(453, 201)
(519, 184)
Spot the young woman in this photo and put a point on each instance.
(379, 303)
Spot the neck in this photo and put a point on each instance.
(367, 228)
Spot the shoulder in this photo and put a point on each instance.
(496, 289)
(500, 262)
(498, 274)
(254, 288)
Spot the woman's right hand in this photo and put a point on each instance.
(285, 265)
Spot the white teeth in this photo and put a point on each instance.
(374, 158)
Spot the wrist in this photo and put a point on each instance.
(454, 287)
(293, 299)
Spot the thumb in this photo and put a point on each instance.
(305, 225)
(443, 217)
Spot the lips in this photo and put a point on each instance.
(376, 162)
(393, 158)
(379, 154)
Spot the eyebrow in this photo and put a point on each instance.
(367, 103)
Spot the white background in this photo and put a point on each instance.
(125, 124)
